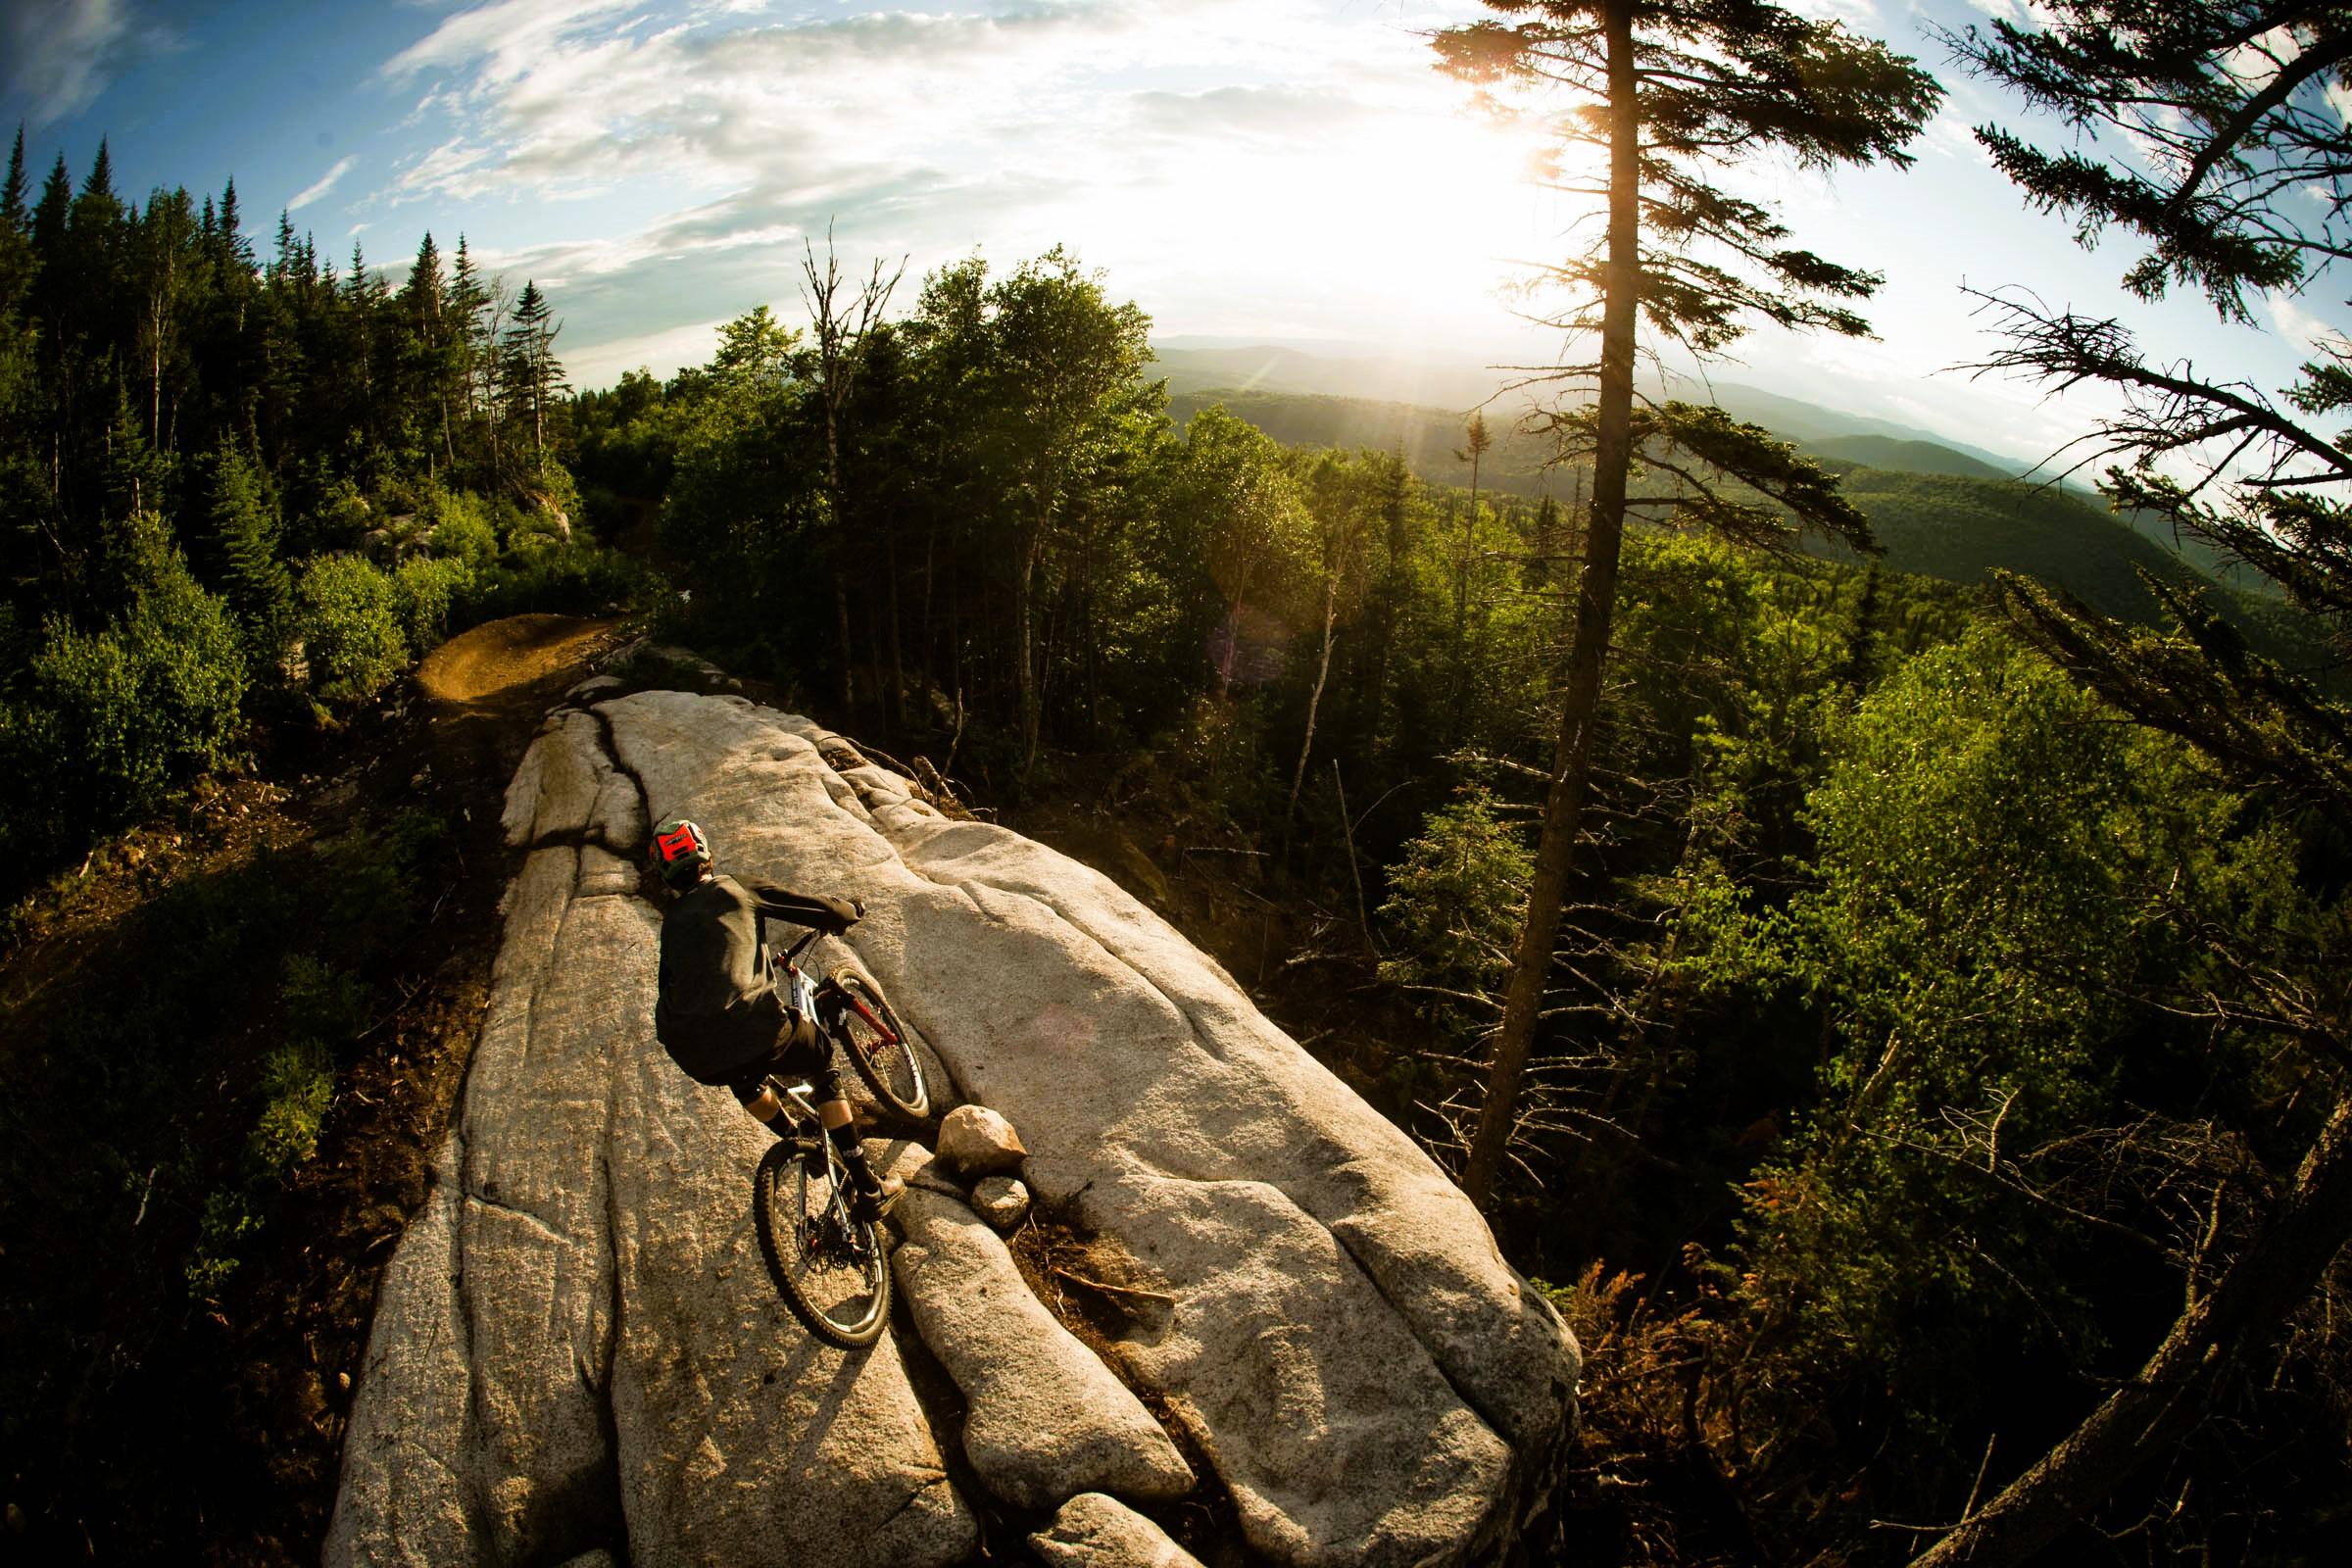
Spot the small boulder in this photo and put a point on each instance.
(978, 1141)
(1094, 1531)
(1002, 1201)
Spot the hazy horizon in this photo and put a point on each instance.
(1272, 171)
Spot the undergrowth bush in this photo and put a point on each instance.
(351, 635)
(463, 529)
(571, 579)
(423, 591)
(1456, 903)
(104, 722)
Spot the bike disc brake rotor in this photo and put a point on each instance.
(836, 1276)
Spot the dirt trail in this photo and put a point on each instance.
(485, 692)
(503, 663)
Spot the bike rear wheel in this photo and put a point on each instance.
(831, 1270)
(878, 1046)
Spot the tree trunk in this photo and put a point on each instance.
(1462, 607)
(1596, 607)
(155, 374)
(898, 659)
(1314, 700)
(873, 654)
(927, 670)
(1025, 671)
(841, 586)
(2148, 1415)
(849, 657)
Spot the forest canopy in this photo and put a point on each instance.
(1936, 1024)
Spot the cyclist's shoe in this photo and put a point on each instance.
(869, 1204)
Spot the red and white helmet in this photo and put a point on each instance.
(681, 851)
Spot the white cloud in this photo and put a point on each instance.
(64, 53)
(1192, 147)
(321, 185)
(664, 353)
(2297, 325)
(1948, 136)
(1859, 16)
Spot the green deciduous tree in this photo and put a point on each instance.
(1061, 374)
(1669, 90)
(843, 333)
(2034, 1106)
(350, 632)
(2228, 122)
(1343, 504)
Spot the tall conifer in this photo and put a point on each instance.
(15, 233)
(244, 530)
(1665, 92)
(533, 373)
(13, 212)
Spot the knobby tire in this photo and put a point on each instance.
(878, 1046)
(811, 1285)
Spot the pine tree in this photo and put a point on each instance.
(13, 212)
(16, 233)
(50, 214)
(101, 180)
(244, 531)
(428, 356)
(532, 374)
(236, 250)
(1667, 90)
(468, 299)
(1477, 442)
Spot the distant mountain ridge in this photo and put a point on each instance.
(1939, 508)
(1344, 370)
(1904, 457)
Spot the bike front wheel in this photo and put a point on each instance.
(831, 1270)
(878, 1046)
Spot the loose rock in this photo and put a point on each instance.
(1001, 1201)
(979, 1141)
(1093, 1531)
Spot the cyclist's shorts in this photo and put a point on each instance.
(743, 1045)
(800, 1054)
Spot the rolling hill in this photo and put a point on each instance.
(1940, 511)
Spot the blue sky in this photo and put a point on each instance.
(1284, 170)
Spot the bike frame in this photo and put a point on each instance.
(807, 995)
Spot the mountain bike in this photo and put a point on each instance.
(832, 1269)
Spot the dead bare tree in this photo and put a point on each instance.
(842, 332)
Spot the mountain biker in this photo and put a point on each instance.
(719, 1013)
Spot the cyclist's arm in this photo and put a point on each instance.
(822, 914)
